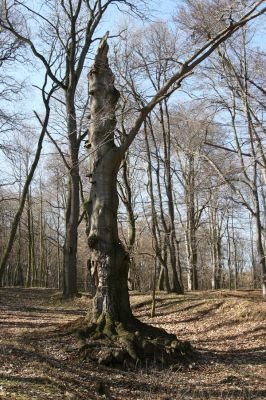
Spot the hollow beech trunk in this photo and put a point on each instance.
(108, 261)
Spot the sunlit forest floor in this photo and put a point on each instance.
(38, 360)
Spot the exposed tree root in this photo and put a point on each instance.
(110, 343)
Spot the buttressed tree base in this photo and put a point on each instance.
(113, 343)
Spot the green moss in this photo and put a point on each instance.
(112, 343)
(100, 323)
(129, 340)
(109, 327)
(130, 347)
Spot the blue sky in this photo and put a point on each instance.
(163, 9)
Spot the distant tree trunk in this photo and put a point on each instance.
(71, 238)
(19, 278)
(236, 272)
(153, 306)
(58, 244)
(126, 193)
(191, 227)
(160, 242)
(41, 240)
(33, 257)
(229, 263)
(59, 277)
(259, 242)
(29, 264)
(179, 266)
(160, 281)
(170, 231)
(216, 248)
(72, 212)
(253, 261)
(163, 279)
(219, 262)
(31, 270)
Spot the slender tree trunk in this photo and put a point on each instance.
(166, 281)
(29, 266)
(72, 213)
(213, 246)
(31, 270)
(179, 266)
(131, 219)
(236, 277)
(41, 240)
(19, 280)
(259, 242)
(19, 276)
(59, 253)
(191, 228)
(229, 264)
(160, 281)
(163, 282)
(33, 254)
(253, 261)
(153, 307)
(47, 256)
(160, 243)
(219, 262)
(171, 235)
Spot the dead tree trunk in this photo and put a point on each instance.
(111, 315)
(108, 259)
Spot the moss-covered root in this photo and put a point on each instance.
(111, 343)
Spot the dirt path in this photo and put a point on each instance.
(36, 362)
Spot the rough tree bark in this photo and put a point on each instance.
(108, 259)
(111, 318)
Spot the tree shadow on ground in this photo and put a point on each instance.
(44, 310)
(227, 337)
(182, 309)
(165, 312)
(199, 314)
(254, 356)
(160, 303)
(210, 393)
(30, 325)
(59, 365)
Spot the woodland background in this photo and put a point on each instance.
(192, 186)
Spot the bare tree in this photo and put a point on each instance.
(66, 33)
(24, 194)
(108, 258)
